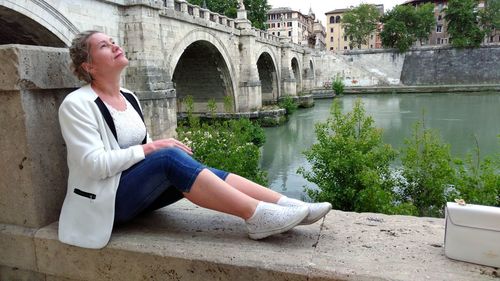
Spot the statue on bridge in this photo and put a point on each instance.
(241, 5)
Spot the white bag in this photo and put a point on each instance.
(472, 233)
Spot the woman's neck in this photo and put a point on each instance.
(106, 88)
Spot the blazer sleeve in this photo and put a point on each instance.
(84, 142)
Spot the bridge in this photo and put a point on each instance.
(175, 49)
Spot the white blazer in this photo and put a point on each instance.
(95, 163)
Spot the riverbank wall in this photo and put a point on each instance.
(423, 66)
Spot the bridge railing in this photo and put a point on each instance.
(199, 12)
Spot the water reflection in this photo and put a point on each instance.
(458, 117)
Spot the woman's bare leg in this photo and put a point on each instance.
(209, 191)
(253, 189)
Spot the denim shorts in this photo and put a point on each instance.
(157, 181)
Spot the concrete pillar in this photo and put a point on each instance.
(33, 82)
(288, 81)
(147, 74)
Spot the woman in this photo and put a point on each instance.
(117, 172)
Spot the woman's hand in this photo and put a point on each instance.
(163, 143)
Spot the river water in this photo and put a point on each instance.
(457, 116)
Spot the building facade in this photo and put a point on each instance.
(337, 41)
(439, 34)
(301, 29)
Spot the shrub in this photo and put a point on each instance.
(427, 172)
(350, 163)
(338, 86)
(288, 103)
(231, 145)
(478, 181)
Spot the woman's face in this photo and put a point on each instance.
(106, 57)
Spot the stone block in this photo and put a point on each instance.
(33, 158)
(18, 250)
(35, 67)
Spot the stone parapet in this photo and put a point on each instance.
(186, 242)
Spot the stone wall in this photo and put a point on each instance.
(449, 66)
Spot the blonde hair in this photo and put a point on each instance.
(79, 51)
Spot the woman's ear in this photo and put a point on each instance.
(86, 66)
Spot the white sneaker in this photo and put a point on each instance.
(270, 219)
(316, 210)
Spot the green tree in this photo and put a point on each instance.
(359, 23)
(489, 17)
(463, 23)
(427, 171)
(404, 25)
(350, 163)
(256, 9)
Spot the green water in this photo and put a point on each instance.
(457, 117)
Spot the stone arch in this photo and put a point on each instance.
(269, 75)
(204, 48)
(297, 74)
(35, 23)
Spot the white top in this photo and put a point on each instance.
(130, 129)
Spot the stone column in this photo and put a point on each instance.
(308, 78)
(288, 82)
(250, 92)
(146, 74)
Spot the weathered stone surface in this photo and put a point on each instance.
(186, 242)
(379, 247)
(181, 242)
(17, 249)
(449, 66)
(16, 274)
(25, 67)
(32, 158)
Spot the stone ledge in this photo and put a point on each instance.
(185, 242)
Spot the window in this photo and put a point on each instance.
(331, 48)
(371, 36)
(438, 41)
(273, 25)
(332, 19)
(331, 39)
(278, 33)
(337, 19)
(278, 24)
(350, 38)
(290, 33)
(273, 33)
(350, 47)
(371, 46)
(345, 47)
(345, 38)
(331, 30)
(439, 28)
(289, 24)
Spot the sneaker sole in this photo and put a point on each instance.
(311, 221)
(261, 235)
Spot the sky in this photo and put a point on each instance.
(320, 7)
